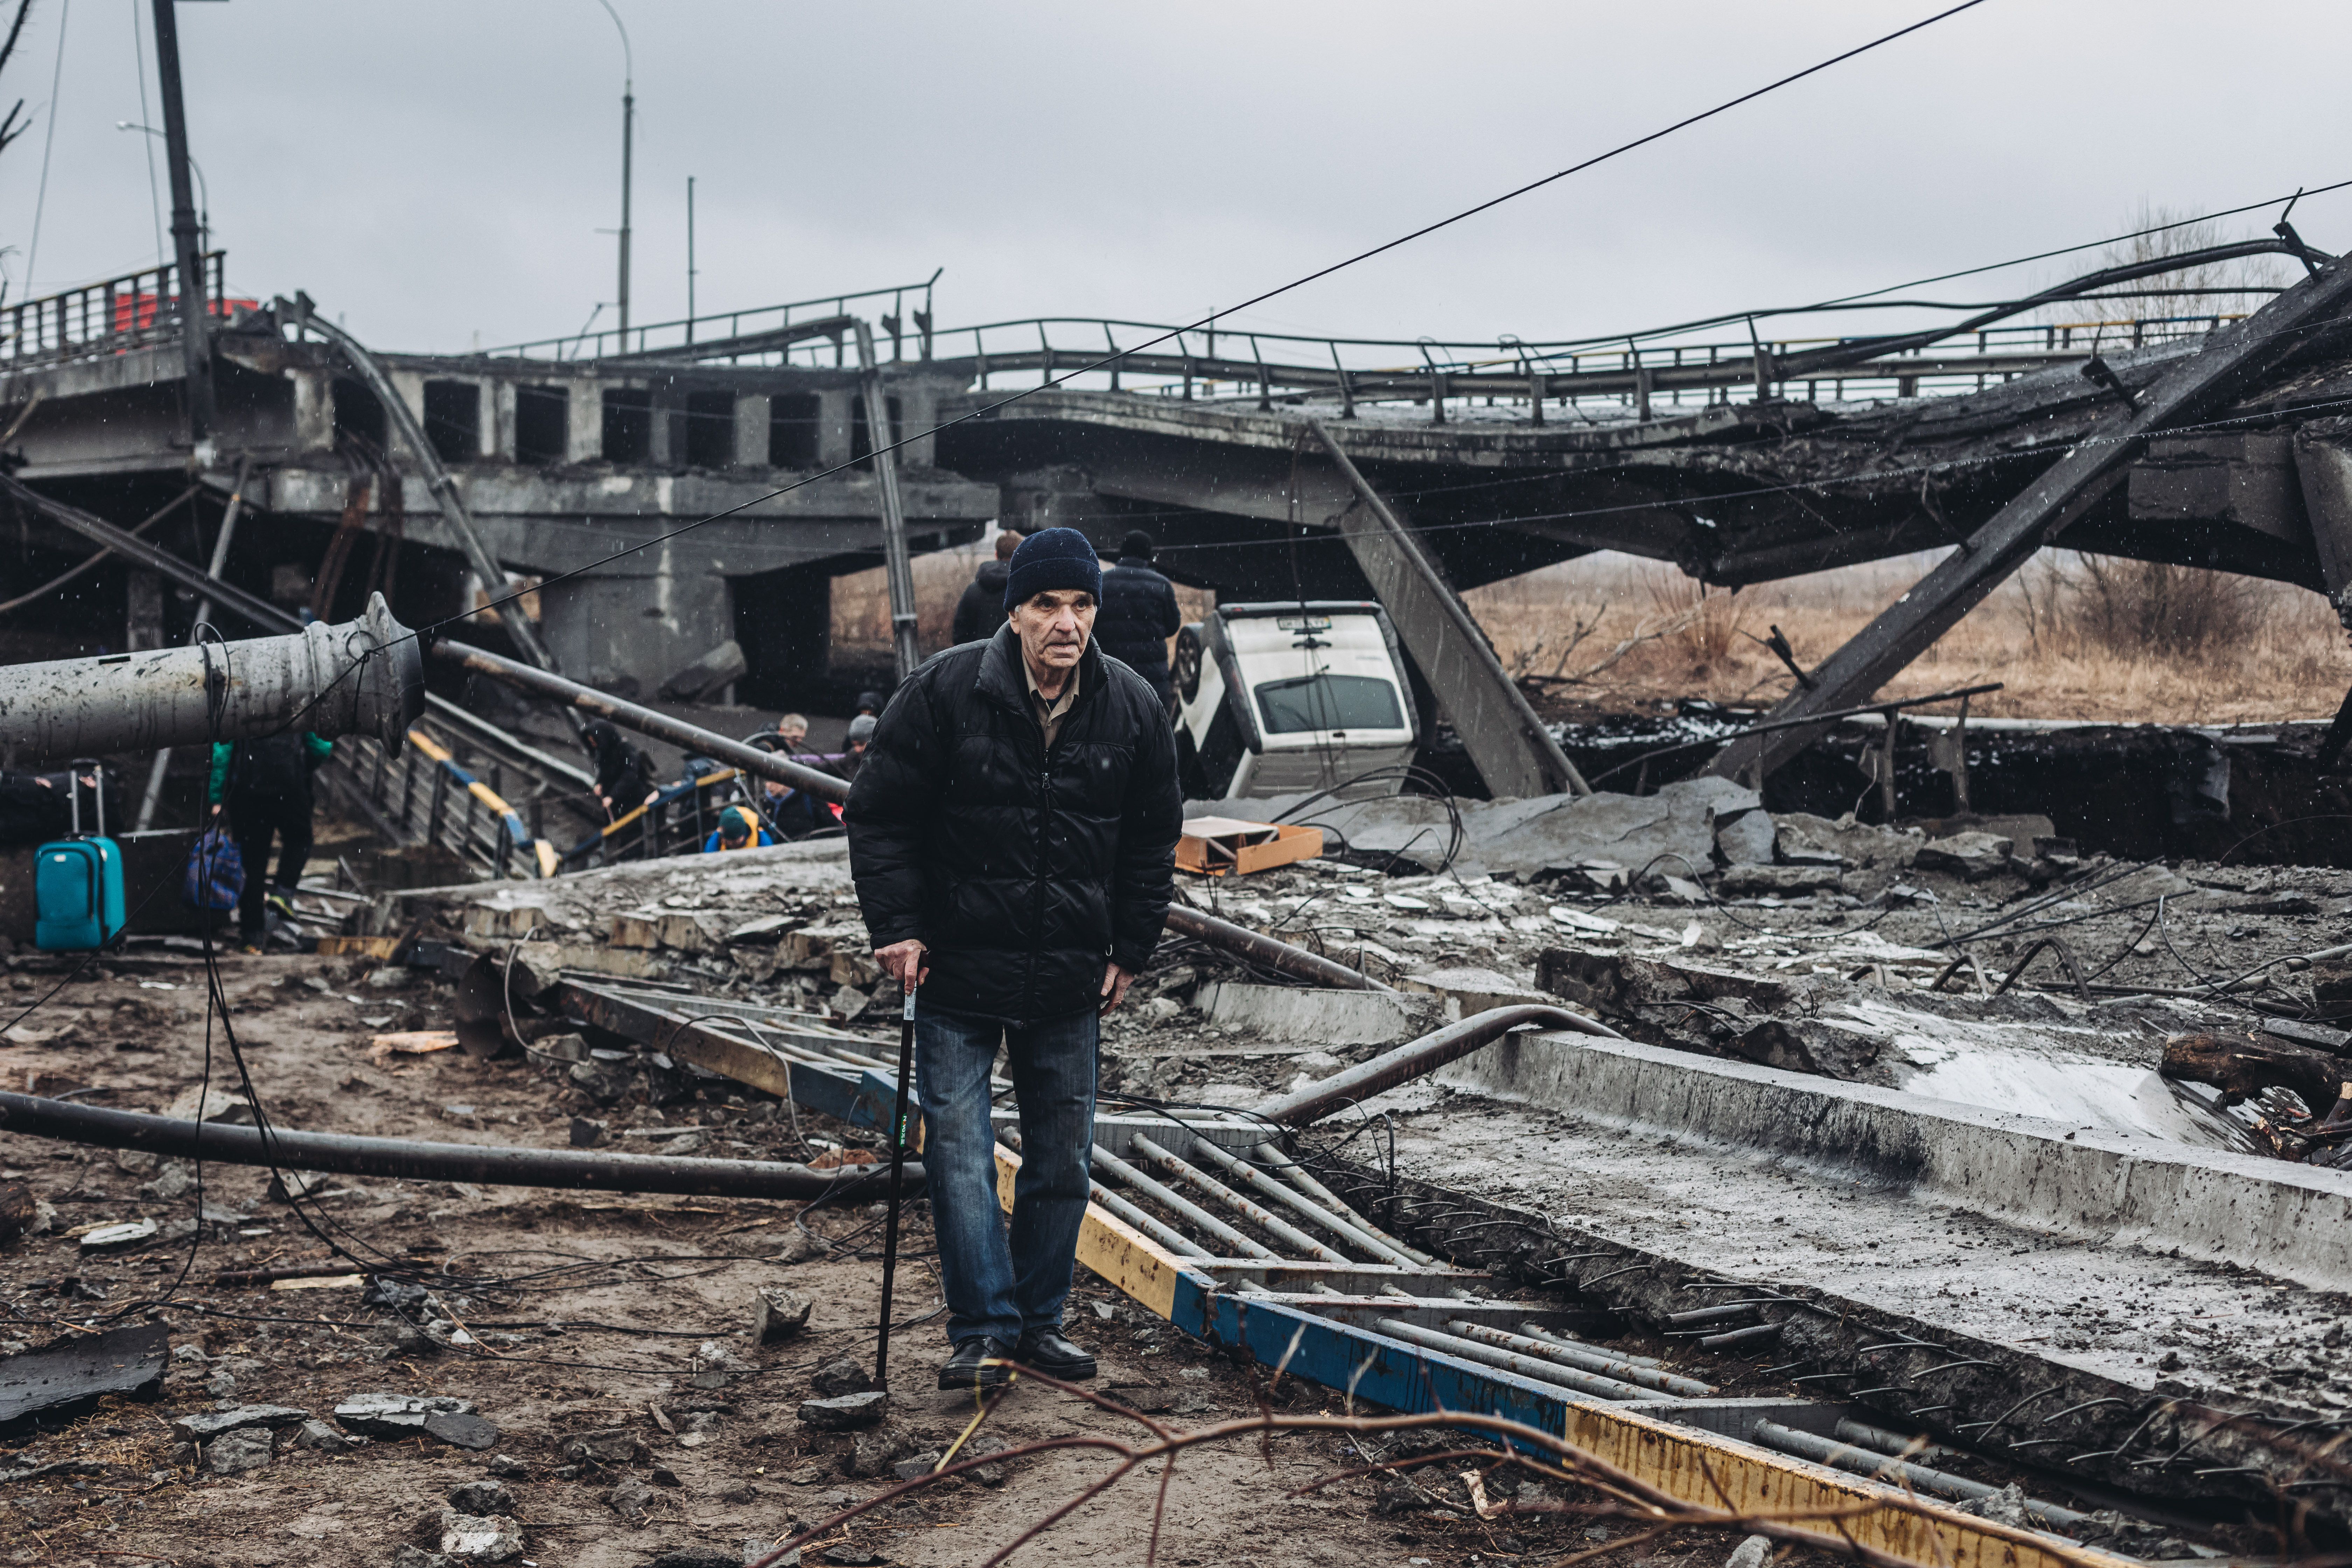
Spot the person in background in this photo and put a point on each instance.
(795, 813)
(853, 751)
(790, 736)
(37, 806)
(625, 775)
(1138, 616)
(265, 786)
(737, 829)
(982, 609)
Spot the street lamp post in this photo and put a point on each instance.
(203, 186)
(628, 139)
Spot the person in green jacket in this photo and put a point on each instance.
(264, 785)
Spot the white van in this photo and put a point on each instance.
(1279, 699)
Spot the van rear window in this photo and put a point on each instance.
(1329, 702)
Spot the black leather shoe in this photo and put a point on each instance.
(1050, 1354)
(963, 1369)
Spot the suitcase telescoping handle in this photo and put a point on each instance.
(98, 791)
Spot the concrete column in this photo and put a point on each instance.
(143, 619)
(410, 386)
(627, 634)
(919, 406)
(832, 427)
(664, 421)
(314, 410)
(498, 420)
(586, 435)
(751, 415)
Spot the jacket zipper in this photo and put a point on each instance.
(1037, 898)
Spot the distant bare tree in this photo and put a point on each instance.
(2154, 606)
(14, 124)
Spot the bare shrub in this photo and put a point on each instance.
(2156, 608)
(1705, 622)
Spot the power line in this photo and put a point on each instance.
(1361, 256)
(48, 140)
(139, 58)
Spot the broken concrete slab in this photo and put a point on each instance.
(203, 1425)
(1972, 855)
(477, 1537)
(1468, 989)
(65, 1380)
(847, 1412)
(778, 1313)
(1778, 881)
(1671, 831)
(389, 1415)
(236, 1452)
(1326, 1017)
(2291, 1221)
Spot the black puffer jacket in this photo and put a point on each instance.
(1138, 616)
(1021, 873)
(980, 610)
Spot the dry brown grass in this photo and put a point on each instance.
(2073, 638)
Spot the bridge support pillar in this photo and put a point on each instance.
(752, 412)
(584, 420)
(833, 426)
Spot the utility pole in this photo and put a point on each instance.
(628, 139)
(689, 259)
(195, 335)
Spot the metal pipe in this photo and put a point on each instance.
(1258, 1214)
(1592, 1385)
(1183, 1206)
(1943, 1483)
(1175, 1241)
(1259, 1180)
(1272, 952)
(1424, 1055)
(491, 1164)
(644, 721)
(1916, 1449)
(880, 442)
(1604, 1365)
(1299, 1176)
(1570, 1342)
(361, 677)
(436, 477)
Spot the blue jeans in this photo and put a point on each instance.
(995, 1285)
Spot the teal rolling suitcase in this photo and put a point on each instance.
(78, 881)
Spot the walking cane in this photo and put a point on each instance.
(898, 1167)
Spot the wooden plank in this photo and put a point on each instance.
(1110, 1246)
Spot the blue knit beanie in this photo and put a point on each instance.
(1052, 558)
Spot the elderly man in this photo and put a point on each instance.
(1013, 836)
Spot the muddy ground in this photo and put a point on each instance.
(590, 1311)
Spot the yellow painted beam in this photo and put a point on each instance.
(1110, 1246)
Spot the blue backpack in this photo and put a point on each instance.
(77, 880)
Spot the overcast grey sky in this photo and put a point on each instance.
(435, 169)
